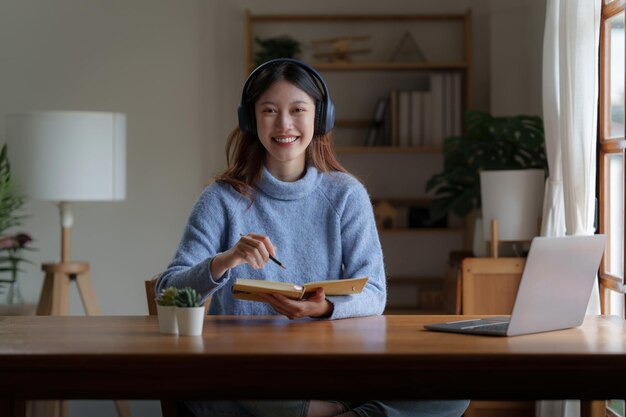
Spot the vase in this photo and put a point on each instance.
(14, 294)
(167, 319)
(190, 320)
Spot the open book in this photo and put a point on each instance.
(248, 289)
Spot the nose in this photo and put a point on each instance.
(284, 121)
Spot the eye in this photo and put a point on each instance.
(299, 110)
(268, 110)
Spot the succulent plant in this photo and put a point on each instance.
(167, 296)
(188, 297)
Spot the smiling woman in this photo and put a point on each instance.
(284, 188)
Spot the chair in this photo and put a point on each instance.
(169, 408)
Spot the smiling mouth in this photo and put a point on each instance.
(286, 139)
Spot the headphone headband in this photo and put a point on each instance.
(324, 110)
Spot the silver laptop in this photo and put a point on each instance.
(553, 293)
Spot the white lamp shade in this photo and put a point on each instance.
(68, 156)
(515, 199)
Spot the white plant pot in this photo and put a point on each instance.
(190, 320)
(515, 199)
(167, 319)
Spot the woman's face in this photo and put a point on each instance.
(285, 121)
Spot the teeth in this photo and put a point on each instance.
(286, 140)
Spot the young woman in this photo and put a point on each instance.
(284, 194)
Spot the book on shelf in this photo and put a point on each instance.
(393, 111)
(376, 134)
(438, 109)
(446, 90)
(457, 105)
(249, 289)
(416, 134)
(404, 118)
(422, 116)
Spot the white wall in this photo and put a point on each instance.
(142, 58)
(516, 44)
(176, 69)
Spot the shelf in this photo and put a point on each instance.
(389, 149)
(353, 17)
(388, 66)
(422, 231)
(404, 201)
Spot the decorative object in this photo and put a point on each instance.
(13, 245)
(511, 202)
(64, 156)
(340, 48)
(385, 215)
(189, 312)
(166, 310)
(11, 202)
(419, 217)
(490, 143)
(278, 47)
(407, 50)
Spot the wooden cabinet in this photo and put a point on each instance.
(488, 286)
(433, 78)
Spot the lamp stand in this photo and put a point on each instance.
(54, 298)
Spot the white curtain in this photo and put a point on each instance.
(570, 102)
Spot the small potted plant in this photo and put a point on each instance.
(166, 310)
(189, 312)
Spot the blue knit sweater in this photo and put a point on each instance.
(321, 225)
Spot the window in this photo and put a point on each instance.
(611, 164)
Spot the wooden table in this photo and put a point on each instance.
(268, 357)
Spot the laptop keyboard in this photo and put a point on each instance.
(492, 325)
(491, 328)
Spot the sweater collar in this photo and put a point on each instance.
(281, 190)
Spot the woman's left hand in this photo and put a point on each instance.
(315, 305)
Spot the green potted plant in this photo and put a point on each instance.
(489, 143)
(189, 312)
(166, 310)
(279, 47)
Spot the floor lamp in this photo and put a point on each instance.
(64, 157)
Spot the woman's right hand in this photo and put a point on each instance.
(252, 249)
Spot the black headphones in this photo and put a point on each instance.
(324, 110)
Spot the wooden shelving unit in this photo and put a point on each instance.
(459, 63)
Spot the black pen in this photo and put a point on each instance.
(271, 257)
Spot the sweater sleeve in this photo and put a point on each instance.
(200, 243)
(362, 257)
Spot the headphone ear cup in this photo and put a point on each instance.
(329, 121)
(246, 123)
(324, 117)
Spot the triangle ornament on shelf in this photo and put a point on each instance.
(407, 50)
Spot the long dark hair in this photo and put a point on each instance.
(245, 155)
